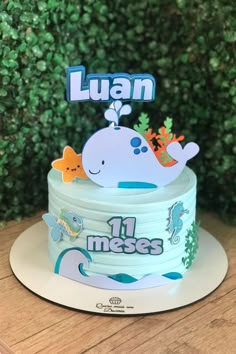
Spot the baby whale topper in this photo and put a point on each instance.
(118, 156)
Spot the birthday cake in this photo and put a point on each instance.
(122, 213)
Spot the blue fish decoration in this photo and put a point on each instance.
(68, 223)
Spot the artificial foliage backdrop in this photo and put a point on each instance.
(189, 46)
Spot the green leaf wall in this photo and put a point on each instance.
(189, 46)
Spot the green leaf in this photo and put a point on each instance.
(143, 125)
(168, 124)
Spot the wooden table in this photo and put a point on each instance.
(30, 324)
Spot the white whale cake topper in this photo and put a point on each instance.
(118, 156)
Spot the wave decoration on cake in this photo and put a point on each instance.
(67, 224)
(71, 263)
(121, 157)
(175, 224)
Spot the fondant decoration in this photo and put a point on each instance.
(70, 165)
(128, 243)
(72, 262)
(117, 156)
(108, 87)
(116, 110)
(143, 126)
(191, 245)
(158, 142)
(175, 224)
(68, 223)
(117, 223)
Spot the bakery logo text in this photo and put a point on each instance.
(115, 305)
(123, 239)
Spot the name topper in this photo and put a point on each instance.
(108, 87)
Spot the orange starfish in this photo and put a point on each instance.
(70, 165)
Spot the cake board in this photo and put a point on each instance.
(31, 266)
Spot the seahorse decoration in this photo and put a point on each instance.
(175, 224)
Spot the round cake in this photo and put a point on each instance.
(122, 212)
(127, 232)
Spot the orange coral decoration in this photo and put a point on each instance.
(162, 140)
(70, 165)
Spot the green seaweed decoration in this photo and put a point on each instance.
(168, 123)
(143, 126)
(158, 142)
(191, 245)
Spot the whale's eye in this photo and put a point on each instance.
(74, 219)
(67, 168)
(103, 162)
